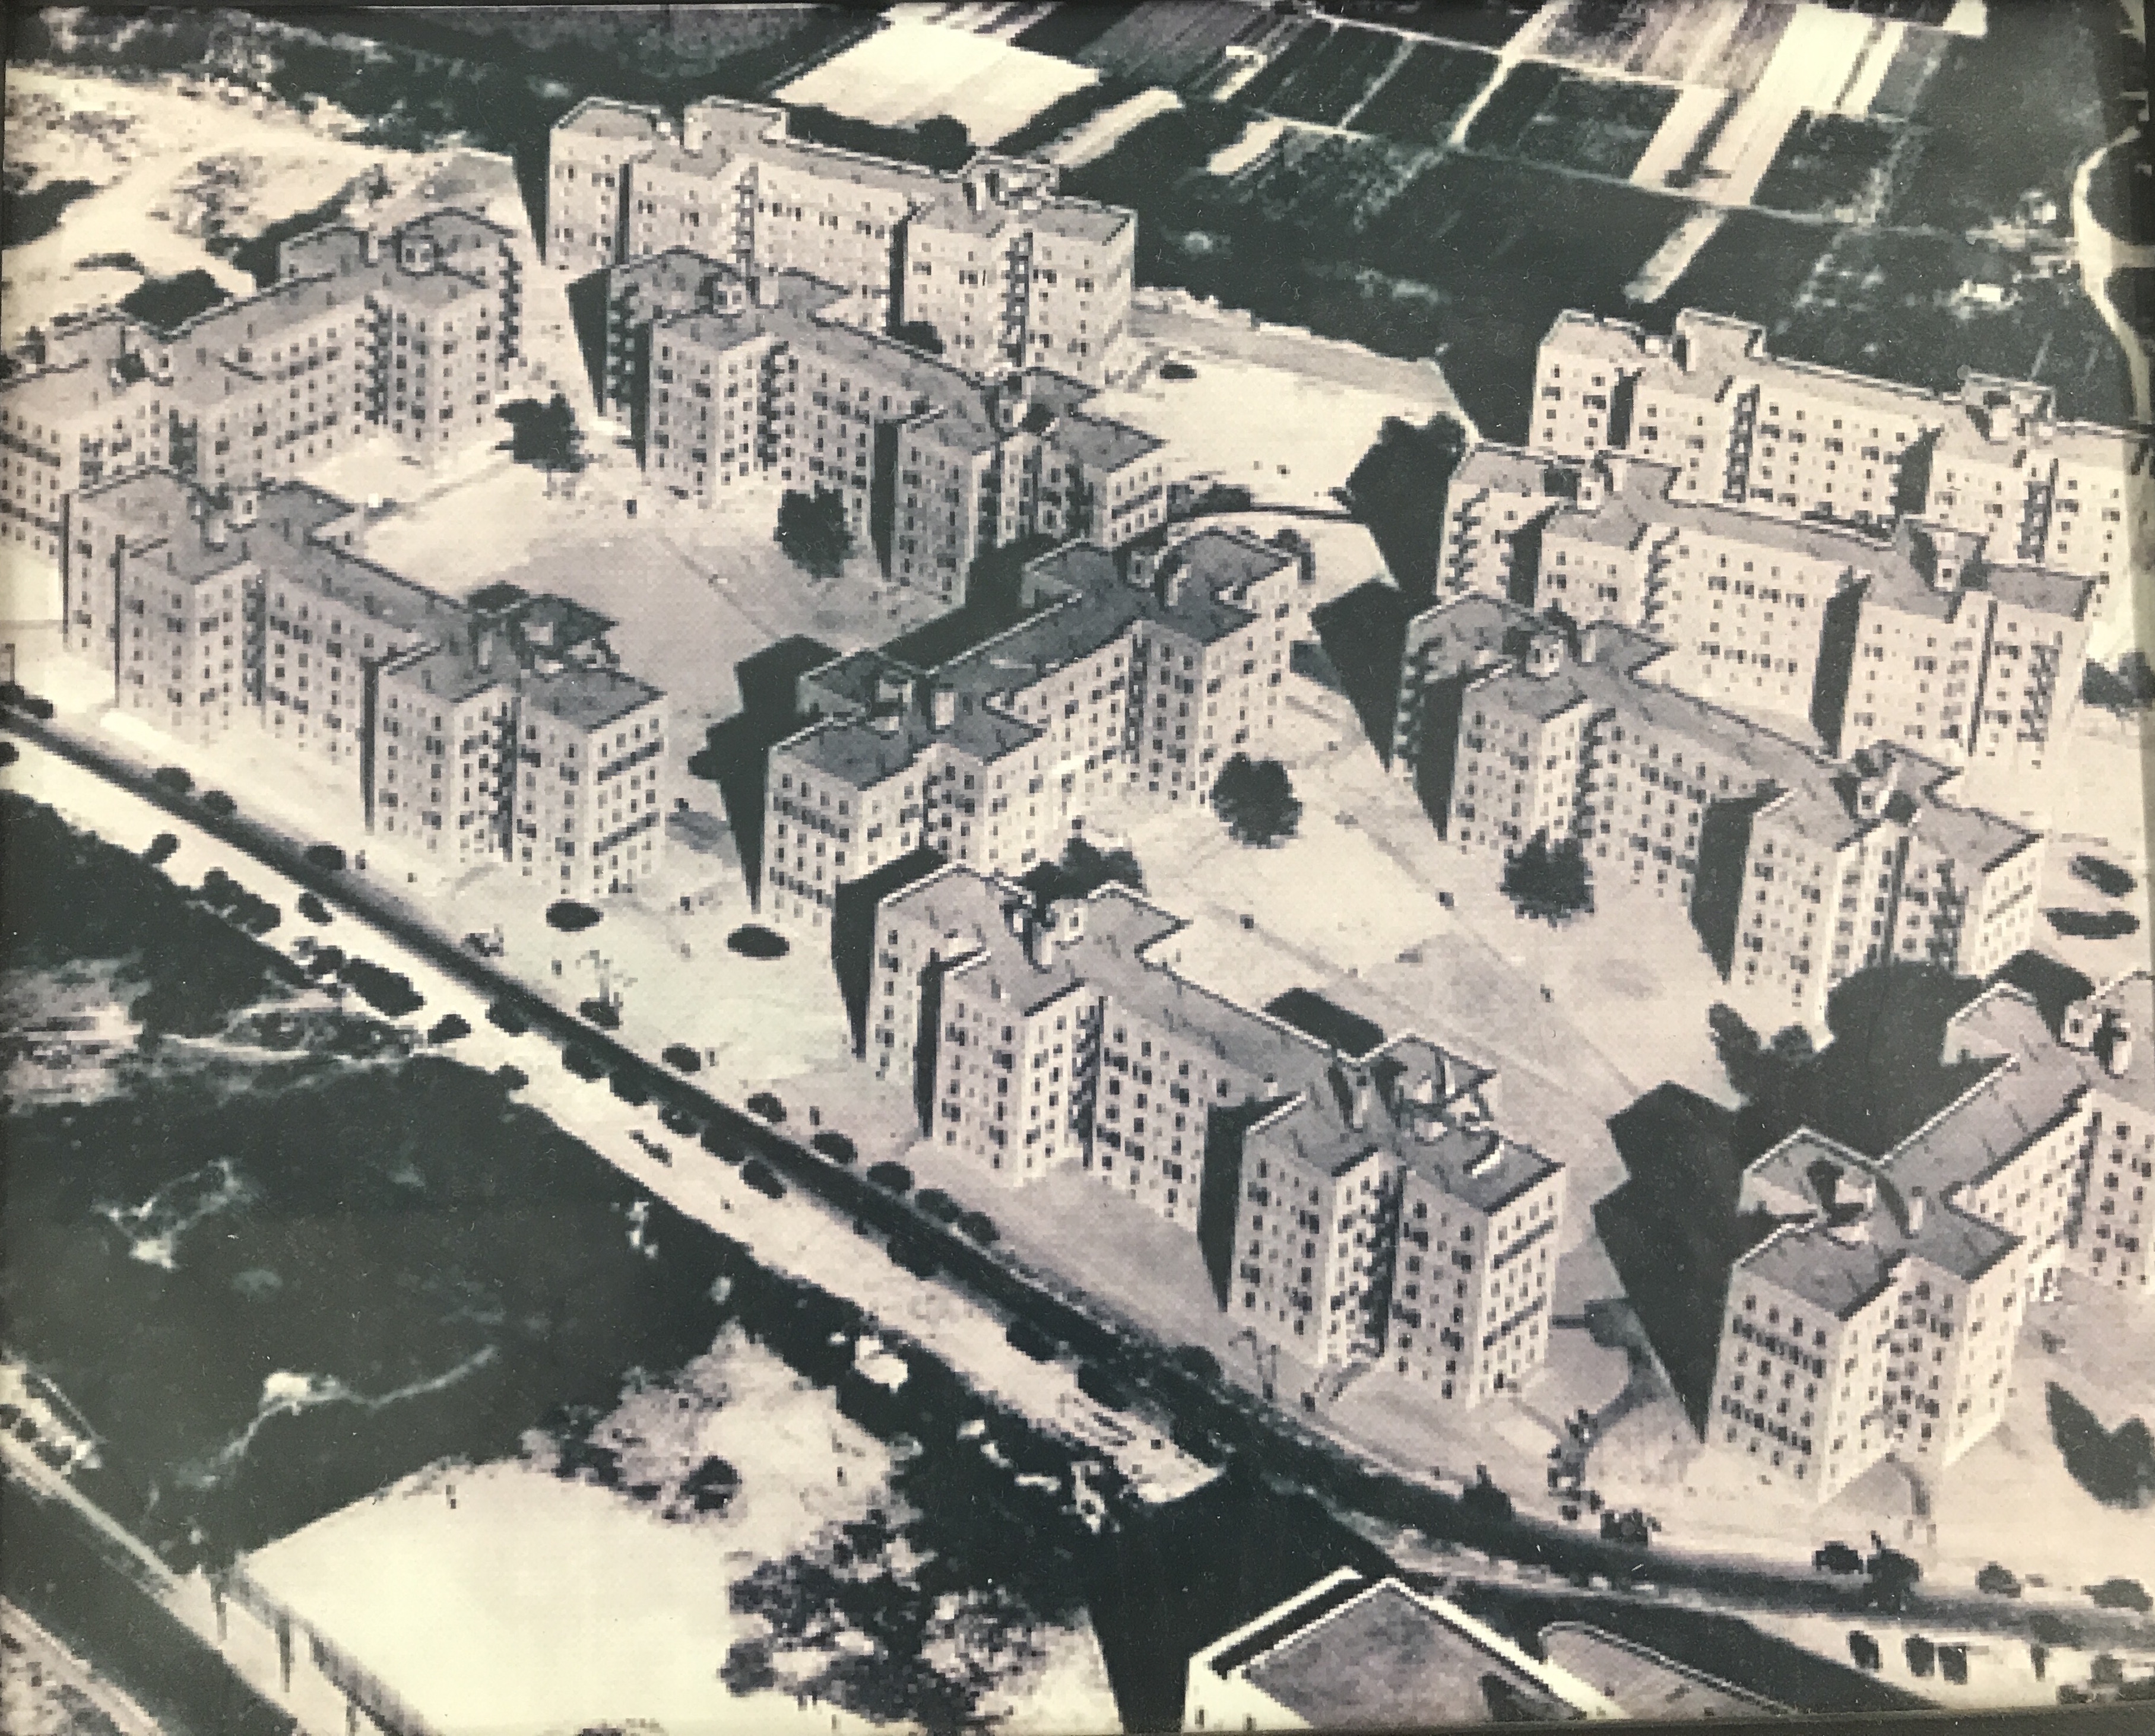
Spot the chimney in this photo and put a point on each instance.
(1016, 915)
(1362, 1098)
(1072, 919)
(1589, 641)
(246, 505)
(370, 247)
(1616, 468)
(1173, 578)
(1591, 488)
(1145, 567)
(943, 706)
(2078, 1030)
(1039, 945)
(1545, 655)
(486, 650)
(214, 533)
(1919, 1205)
(2117, 1047)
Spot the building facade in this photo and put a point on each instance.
(1514, 726)
(1368, 1210)
(1007, 272)
(1146, 670)
(1877, 1316)
(730, 382)
(409, 334)
(1744, 427)
(498, 728)
(1914, 634)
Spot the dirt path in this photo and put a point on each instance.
(2100, 254)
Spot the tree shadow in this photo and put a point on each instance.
(2052, 984)
(1363, 635)
(1171, 1579)
(1672, 1232)
(1397, 490)
(736, 751)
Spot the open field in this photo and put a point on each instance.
(1326, 72)
(1832, 164)
(1423, 100)
(910, 71)
(1725, 43)
(1543, 115)
(1159, 44)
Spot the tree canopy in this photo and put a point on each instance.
(1257, 799)
(811, 530)
(1553, 884)
(545, 435)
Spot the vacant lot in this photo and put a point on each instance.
(910, 71)
(1545, 114)
(1689, 42)
(1421, 102)
(1324, 74)
(1831, 165)
(1157, 44)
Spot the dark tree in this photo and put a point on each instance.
(943, 143)
(2116, 1466)
(1397, 491)
(1893, 1575)
(1864, 1649)
(1997, 1581)
(2123, 692)
(1257, 799)
(545, 436)
(811, 530)
(1554, 884)
(1084, 868)
(919, 335)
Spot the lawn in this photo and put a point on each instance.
(1545, 114)
(1829, 163)
(1423, 100)
(1323, 75)
(2019, 108)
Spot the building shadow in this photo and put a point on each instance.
(1837, 668)
(1173, 1579)
(1671, 1229)
(1363, 635)
(1716, 887)
(588, 319)
(853, 932)
(736, 753)
(1220, 1191)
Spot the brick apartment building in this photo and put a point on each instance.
(1358, 1210)
(729, 382)
(1147, 669)
(1877, 1317)
(1009, 273)
(410, 335)
(1911, 633)
(497, 728)
(1514, 726)
(1742, 427)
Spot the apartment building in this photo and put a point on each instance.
(1878, 1316)
(1008, 273)
(1743, 427)
(1514, 726)
(410, 335)
(497, 728)
(1148, 669)
(1368, 1210)
(1916, 635)
(1357, 1654)
(730, 382)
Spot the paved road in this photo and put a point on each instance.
(1208, 1412)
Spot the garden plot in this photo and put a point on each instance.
(174, 161)
(1169, 45)
(1422, 101)
(911, 71)
(1326, 74)
(1542, 114)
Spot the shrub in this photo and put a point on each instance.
(2049, 1628)
(1837, 1558)
(676, 1119)
(631, 1090)
(1484, 1501)
(581, 1062)
(9, 753)
(754, 941)
(681, 1057)
(1257, 799)
(1921, 1654)
(389, 993)
(219, 804)
(327, 857)
(767, 1105)
(1553, 883)
(602, 1014)
(41, 709)
(312, 909)
(812, 531)
(1177, 370)
(448, 1028)
(891, 1177)
(978, 1226)
(1952, 1664)
(511, 1078)
(1864, 1651)
(172, 777)
(721, 1144)
(162, 848)
(570, 916)
(910, 1255)
(759, 1176)
(504, 1016)
(1027, 1340)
